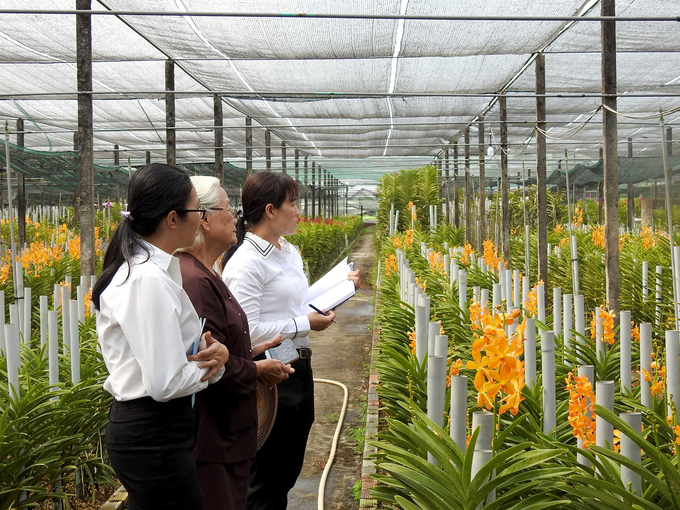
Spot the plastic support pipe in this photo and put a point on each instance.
(458, 412)
(557, 311)
(589, 372)
(629, 449)
(604, 431)
(530, 352)
(625, 354)
(646, 363)
(548, 373)
(672, 370)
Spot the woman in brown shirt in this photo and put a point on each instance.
(227, 425)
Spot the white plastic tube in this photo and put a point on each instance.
(13, 358)
(74, 338)
(422, 317)
(515, 289)
(600, 346)
(646, 363)
(441, 345)
(27, 316)
(567, 320)
(625, 354)
(557, 311)
(659, 272)
(53, 349)
(458, 412)
(433, 329)
(672, 370)
(629, 449)
(589, 372)
(645, 278)
(65, 319)
(540, 300)
(548, 373)
(462, 290)
(604, 431)
(530, 352)
(43, 320)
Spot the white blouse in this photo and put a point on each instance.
(271, 287)
(146, 326)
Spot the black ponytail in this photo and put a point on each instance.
(153, 192)
(260, 190)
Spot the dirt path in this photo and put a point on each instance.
(340, 353)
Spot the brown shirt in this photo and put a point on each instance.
(227, 410)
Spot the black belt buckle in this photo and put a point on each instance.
(305, 352)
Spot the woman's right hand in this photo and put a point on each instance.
(272, 371)
(214, 356)
(318, 321)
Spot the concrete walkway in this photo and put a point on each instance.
(340, 353)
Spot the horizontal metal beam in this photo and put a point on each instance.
(310, 16)
(263, 94)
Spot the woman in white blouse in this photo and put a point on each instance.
(146, 328)
(266, 275)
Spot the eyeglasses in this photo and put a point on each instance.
(201, 210)
(236, 212)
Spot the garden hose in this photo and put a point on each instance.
(334, 446)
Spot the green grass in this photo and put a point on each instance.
(332, 417)
(356, 491)
(358, 434)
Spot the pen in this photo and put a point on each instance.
(319, 311)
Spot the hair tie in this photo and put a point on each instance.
(126, 214)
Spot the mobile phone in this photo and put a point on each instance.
(285, 352)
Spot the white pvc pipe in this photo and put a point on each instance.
(43, 321)
(625, 354)
(53, 349)
(483, 420)
(458, 412)
(27, 316)
(525, 290)
(446, 264)
(567, 318)
(574, 267)
(436, 393)
(422, 317)
(672, 370)
(557, 311)
(604, 431)
(515, 288)
(65, 319)
(497, 296)
(600, 346)
(13, 359)
(56, 297)
(2, 322)
(530, 352)
(433, 329)
(548, 373)
(484, 299)
(75, 342)
(659, 272)
(462, 291)
(540, 300)
(629, 449)
(81, 290)
(441, 345)
(646, 363)
(645, 278)
(508, 289)
(589, 372)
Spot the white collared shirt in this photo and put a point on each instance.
(146, 326)
(271, 287)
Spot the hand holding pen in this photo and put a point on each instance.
(320, 320)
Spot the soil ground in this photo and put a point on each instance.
(340, 353)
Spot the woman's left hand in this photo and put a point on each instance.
(355, 276)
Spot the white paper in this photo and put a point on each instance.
(331, 279)
(335, 296)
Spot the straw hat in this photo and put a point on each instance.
(267, 403)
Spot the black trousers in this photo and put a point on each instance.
(151, 447)
(278, 463)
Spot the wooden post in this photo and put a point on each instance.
(148, 157)
(249, 147)
(283, 157)
(611, 161)
(85, 138)
(631, 191)
(313, 189)
(456, 198)
(268, 150)
(468, 187)
(219, 137)
(21, 191)
(541, 163)
(482, 185)
(505, 209)
(306, 187)
(446, 186)
(170, 136)
(600, 202)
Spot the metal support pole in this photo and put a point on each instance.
(21, 191)
(85, 138)
(283, 157)
(468, 188)
(541, 163)
(306, 187)
(249, 147)
(313, 189)
(148, 157)
(268, 150)
(219, 138)
(456, 198)
(170, 136)
(611, 160)
(482, 185)
(631, 192)
(297, 166)
(505, 213)
(446, 187)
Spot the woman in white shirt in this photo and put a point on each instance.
(146, 328)
(266, 276)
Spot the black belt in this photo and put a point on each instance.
(304, 352)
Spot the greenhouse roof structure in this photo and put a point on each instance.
(359, 87)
